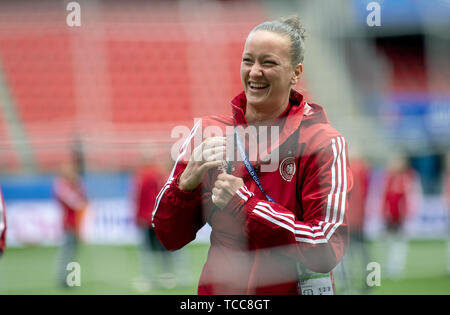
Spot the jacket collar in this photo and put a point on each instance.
(293, 117)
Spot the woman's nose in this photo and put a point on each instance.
(256, 70)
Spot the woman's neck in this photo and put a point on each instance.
(257, 114)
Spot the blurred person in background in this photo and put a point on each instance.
(358, 251)
(352, 270)
(70, 195)
(2, 225)
(401, 197)
(273, 232)
(446, 193)
(158, 266)
(152, 255)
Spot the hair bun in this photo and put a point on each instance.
(294, 22)
(292, 28)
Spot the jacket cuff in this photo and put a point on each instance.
(242, 197)
(185, 195)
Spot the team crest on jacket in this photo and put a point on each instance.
(287, 168)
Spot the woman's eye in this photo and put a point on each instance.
(269, 62)
(247, 60)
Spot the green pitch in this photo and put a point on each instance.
(115, 270)
(425, 270)
(104, 270)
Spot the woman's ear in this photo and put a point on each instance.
(297, 73)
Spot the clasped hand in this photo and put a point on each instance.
(209, 154)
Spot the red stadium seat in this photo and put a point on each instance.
(153, 67)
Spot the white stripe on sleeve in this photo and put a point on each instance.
(171, 178)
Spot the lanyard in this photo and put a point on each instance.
(248, 165)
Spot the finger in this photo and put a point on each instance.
(202, 156)
(220, 150)
(209, 165)
(222, 175)
(218, 156)
(215, 191)
(223, 171)
(226, 177)
(197, 153)
(213, 147)
(219, 184)
(215, 140)
(211, 143)
(223, 184)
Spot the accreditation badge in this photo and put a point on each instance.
(311, 283)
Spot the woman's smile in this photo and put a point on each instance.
(258, 88)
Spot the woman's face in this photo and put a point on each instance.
(267, 73)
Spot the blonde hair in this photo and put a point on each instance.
(292, 28)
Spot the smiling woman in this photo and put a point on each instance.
(270, 228)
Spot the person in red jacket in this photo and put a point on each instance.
(401, 197)
(278, 213)
(153, 255)
(400, 193)
(2, 225)
(353, 270)
(69, 193)
(361, 171)
(147, 183)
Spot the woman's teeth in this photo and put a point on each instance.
(258, 85)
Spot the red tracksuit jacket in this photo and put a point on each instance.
(400, 196)
(256, 244)
(72, 198)
(147, 184)
(2, 225)
(361, 177)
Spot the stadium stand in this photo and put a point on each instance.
(407, 61)
(150, 76)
